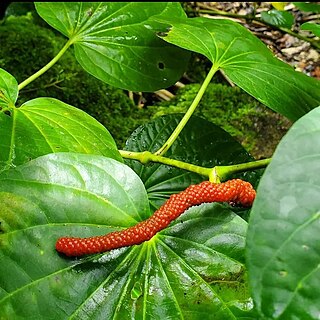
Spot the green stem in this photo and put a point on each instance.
(214, 174)
(312, 42)
(146, 156)
(189, 113)
(47, 66)
(224, 171)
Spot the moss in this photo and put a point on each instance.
(258, 128)
(29, 47)
(19, 8)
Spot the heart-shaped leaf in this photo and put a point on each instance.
(46, 125)
(116, 41)
(248, 63)
(193, 269)
(278, 18)
(201, 143)
(283, 238)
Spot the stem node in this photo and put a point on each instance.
(145, 157)
(213, 175)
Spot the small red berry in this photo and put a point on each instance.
(234, 191)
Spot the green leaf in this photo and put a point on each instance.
(248, 63)
(46, 125)
(116, 41)
(8, 90)
(189, 271)
(308, 6)
(201, 143)
(283, 244)
(314, 27)
(278, 18)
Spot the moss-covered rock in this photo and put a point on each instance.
(28, 47)
(258, 128)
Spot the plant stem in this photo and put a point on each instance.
(146, 156)
(214, 174)
(224, 171)
(189, 113)
(47, 66)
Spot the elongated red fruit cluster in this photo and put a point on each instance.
(235, 191)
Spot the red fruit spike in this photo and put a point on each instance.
(235, 191)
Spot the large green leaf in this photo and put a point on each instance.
(201, 143)
(248, 63)
(192, 270)
(46, 125)
(283, 241)
(116, 41)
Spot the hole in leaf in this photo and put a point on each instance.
(136, 291)
(162, 34)
(161, 65)
(7, 112)
(283, 273)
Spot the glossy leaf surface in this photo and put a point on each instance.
(283, 238)
(248, 63)
(116, 41)
(278, 18)
(190, 270)
(47, 125)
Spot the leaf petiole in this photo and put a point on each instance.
(215, 174)
(224, 171)
(146, 156)
(166, 146)
(47, 66)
